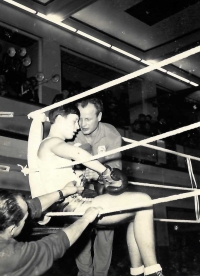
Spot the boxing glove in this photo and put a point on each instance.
(112, 176)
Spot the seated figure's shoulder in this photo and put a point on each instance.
(47, 144)
(51, 141)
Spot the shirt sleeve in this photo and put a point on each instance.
(35, 208)
(34, 258)
(114, 160)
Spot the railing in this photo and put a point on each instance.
(147, 155)
(19, 124)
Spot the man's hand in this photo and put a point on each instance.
(114, 181)
(91, 175)
(71, 188)
(40, 117)
(91, 213)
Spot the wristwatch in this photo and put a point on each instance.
(62, 198)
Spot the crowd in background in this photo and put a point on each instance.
(146, 126)
(14, 82)
(26, 90)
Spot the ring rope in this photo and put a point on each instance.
(26, 170)
(160, 186)
(120, 80)
(164, 150)
(132, 207)
(177, 220)
(6, 168)
(193, 181)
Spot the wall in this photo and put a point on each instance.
(33, 52)
(85, 78)
(16, 124)
(139, 93)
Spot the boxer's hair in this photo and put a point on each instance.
(10, 211)
(64, 111)
(95, 101)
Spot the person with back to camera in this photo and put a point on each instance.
(35, 257)
(56, 152)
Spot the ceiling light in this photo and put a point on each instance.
(194, 84)
(177, 77)
(94, 39)
(43, 2)
(55, 20)
(66, 26)
(20, 6)
(46, 17)
(125, 53)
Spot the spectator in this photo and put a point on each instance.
(138, 124)
(161, 125)
(28, 91)
(149, 118)
(136, 127)
(34, 89)
(148, 129)
(61, 96)
(141, 118)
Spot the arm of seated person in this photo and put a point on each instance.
(64, 150)
(41, 203)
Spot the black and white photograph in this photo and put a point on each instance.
(99, 137)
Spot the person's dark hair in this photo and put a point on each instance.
(64, 111)
(95, 101)
(149, 116)
(141, 115)
(58, 98)
(10, 211)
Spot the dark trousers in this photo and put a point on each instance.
(95, 262)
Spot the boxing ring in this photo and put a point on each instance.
(193, 191)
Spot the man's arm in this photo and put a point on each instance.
(40, 204)
(35, 258)
(74, 231)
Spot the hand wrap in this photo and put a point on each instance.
(112, 176)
